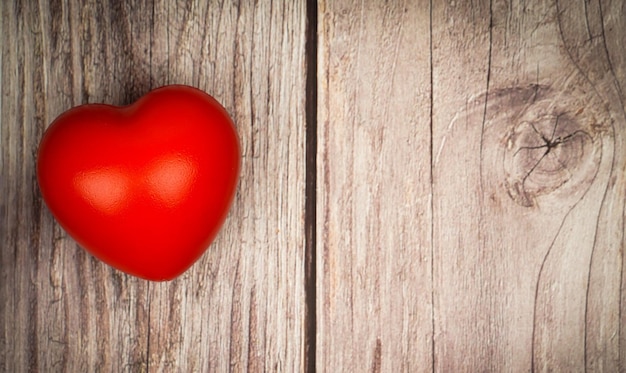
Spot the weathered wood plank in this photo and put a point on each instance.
(460, 53)
(242, 305)
(374, 220)
(538, 129)
(527, 135)
(62, 309)
(471, 187)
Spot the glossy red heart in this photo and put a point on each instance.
(146, 187)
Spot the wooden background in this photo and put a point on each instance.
(426, 186)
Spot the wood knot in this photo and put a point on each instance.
(552, 149)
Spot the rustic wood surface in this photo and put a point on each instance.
(426, 186)
(374, 241)
(240, 306)
(471, 186)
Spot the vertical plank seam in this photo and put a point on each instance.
(432, 200)
(482, 129)
(310, 208)
(481, 196)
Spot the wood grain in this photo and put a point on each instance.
(374, 190)
(460, 196)
(509, 181)
(241, 307)
(61, 310)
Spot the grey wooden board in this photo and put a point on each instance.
(240, 307)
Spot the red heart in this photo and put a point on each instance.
(146, 187)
